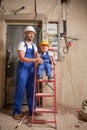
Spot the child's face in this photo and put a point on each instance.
(44, 48)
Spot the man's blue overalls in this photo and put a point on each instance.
(25, 79)
(46, 64)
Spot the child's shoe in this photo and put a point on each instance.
(39, 77)
(50, 77)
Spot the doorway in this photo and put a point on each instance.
(15, 34)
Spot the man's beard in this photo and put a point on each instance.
(30, 39)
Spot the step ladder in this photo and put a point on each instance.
(40, 94)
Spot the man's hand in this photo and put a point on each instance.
(39, 60)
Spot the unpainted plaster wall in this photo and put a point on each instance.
(72, 72)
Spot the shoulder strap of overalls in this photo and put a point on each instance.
(25, 45)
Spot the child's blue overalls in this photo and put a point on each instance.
(46, 65)
(25, 79)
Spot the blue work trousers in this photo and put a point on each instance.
(45, 67)
(25, 80)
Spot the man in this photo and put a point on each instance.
(25, 72)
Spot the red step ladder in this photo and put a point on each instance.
(52, 110)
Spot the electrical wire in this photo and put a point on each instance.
(69, 63)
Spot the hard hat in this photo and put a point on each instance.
(44, 43)
(29, 28)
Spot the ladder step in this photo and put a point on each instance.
(44, 95)
(43, 121)
(44, 110)
(46, 81)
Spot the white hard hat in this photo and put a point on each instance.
(29, 28)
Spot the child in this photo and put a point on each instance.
(47, 61)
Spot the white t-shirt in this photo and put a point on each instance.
(23, 47)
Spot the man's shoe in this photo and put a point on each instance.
(17, 116)
(36, 114)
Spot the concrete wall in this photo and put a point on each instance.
(77, 26)
(72, 71)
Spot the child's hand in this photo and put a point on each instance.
(52, 60)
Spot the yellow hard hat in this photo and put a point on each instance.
(44, 43)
